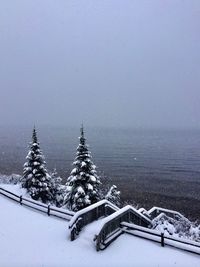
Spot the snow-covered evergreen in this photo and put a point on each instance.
(83, 182)
(113, 195)
(35, 177)
(58, 189)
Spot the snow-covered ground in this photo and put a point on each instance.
(29, 239)
(16, 189)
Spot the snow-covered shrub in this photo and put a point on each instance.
(83, 182)
(58, 190)
(113, 195)
(10, 179)
(194, 232)
(177, 226)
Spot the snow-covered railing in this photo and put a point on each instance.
(110, 227)
(155, 211)
(156, 236)
(89, 214)
(48, 209)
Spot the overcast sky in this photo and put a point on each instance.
(131, 63)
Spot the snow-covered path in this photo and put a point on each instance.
(32, 239)
(87, 234)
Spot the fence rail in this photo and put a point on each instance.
(119, 222)
(153, 235)
(114, 227)
(104, 239)
(48, 209)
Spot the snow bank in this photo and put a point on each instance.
(33, 239)
(29, 202)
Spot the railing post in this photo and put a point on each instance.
(73, 234)
(162, 240)
(48, 211)
(97, 243)
(20, 200)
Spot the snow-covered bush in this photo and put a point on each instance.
(83, 183)
(58, 190)
(10, 179)
(194, 232)
(35, 177)
(177, 226)
(113, 195)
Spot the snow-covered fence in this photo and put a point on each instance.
(154, 235)
(89, 214)
(48, 209)
(110, 228)
(156, 211)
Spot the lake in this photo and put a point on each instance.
(150, 167)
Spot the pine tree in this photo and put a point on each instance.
(113, 195)
(83, 182)
(58, 189)
(35, 177)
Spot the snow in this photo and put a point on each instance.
(142, 210)
(83, 164)
(80, 190)
(93, 178)
(16, 189)
(89, 187)
(29, 238)
(74, 171)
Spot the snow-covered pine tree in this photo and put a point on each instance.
(83, 182)
(58, 189)
(113, 195)
(35, 177)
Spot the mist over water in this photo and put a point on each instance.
(150, 167)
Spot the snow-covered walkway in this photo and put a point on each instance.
(87, 234)
(31, 239)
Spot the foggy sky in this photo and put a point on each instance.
(105, 63)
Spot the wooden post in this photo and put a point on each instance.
(105, 210)
(97, 213)
(72, 234)
(20, 201)
(48, 211)
(162, 240)
(97, 243)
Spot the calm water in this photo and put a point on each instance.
(151, 167)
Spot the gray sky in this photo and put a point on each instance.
(104, 62)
